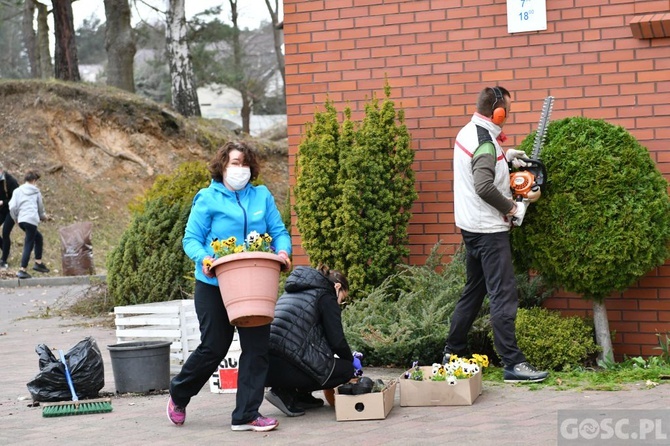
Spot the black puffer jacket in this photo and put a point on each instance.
(7, 186)
(307, 328)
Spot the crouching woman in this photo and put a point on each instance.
(308, 350)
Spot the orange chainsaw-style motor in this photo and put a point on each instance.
(521, 182)
(528, 178)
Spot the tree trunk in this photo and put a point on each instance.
(67, 65)
(43, 48)
(184, 94)
(120, 45)
(29, 38)
(246, 114)
(37, 44)
(241, 84)
(602, 329)
(277, 34)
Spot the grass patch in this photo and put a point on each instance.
(92, 303)
(625, 376)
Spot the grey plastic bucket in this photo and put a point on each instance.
(141, 366)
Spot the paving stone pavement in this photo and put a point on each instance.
(502, 415)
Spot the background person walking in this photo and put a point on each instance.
(27, 209)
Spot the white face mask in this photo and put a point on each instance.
(237, 176)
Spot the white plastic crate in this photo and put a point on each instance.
(224, 380)
(174, 321)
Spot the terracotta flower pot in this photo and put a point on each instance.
(249, 284)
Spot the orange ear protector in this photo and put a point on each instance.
(499, 113)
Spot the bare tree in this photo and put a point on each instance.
(120, 45)
(277, 34)
(29, 38)
(184, 93)
(43, 48)
(238, 69)
(249, 77)
(67, 65)
(37, 44)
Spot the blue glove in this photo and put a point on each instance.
(358, 367)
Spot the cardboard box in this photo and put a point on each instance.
(224, 380)
(369, 406)
(439, 393)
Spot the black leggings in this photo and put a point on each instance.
(216, 335)
(33, 239)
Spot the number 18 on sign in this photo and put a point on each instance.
(526, 15)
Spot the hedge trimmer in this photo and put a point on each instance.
(533, 175)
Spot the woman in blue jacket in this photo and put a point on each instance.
(230, 206)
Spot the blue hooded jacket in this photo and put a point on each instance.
(218, 212)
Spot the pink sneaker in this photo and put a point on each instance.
(260, 424)
(176, 414)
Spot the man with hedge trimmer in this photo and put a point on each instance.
(485, 210)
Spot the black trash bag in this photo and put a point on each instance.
(86, 369)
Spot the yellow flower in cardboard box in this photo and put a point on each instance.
(456, 368)
(439, 372)
(482, 360)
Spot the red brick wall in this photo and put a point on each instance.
(438, 55)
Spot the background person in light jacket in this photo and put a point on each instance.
(27, 209)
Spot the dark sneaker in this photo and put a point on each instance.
(523, 373)
(176, 414)
(305, 400)
(4, 265)
(41, 267)
(448, 354)
(284, 401)
(260, 424)
(23, 275)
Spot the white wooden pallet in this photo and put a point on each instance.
(174, 321)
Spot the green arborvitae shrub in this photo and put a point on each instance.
(149, 264)
(553, 342)
(317, 193)
(354, 191)
(604, 219)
